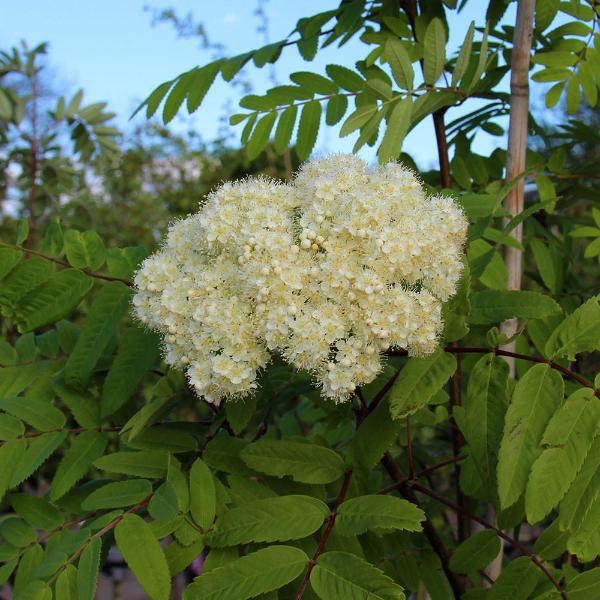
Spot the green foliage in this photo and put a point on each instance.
(133, 534)
(202, 496)
(536, 398)
(357, 515)
(269, 520)
(256, 573)
(100, 326)
(418, 383)
(77, 461)
(476, 552)
(307, 463)
(102, 443)
(344, 575)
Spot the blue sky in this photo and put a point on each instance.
(112, 51)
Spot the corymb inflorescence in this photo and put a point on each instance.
(328, 271)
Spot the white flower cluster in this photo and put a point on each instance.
(328, 271)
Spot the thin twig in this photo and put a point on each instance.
(64, 263)
(409, 449)
(428, 529)
(419, 474)
(507, 538)
(325, 536)
(500, 352)
(110, 526)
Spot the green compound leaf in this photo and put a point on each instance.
(307, 463)
(257, 573)
(164, 506)
(84, 249)
(396, 130)
(39, 513)
(77, 461)
(284, 129)
(179, 556)
(476, 552)
(567, 440)
(52, 300)
(145, 557)
(149, 463)
(584, 585)
(579, 332)
(402, 70)
(434, 46)
(358, 515)
(314, 83)
(583, 492)
(345, 78)
(87, 571)
(109, 306)
(66, 584)
(269, 520)
(536, 398)
(419, 381)
(485, 405)
(494, 306)
(260, 135)
(462, 60)
(37, 452)
(308, 129)
(517, 580)
(200, 81)
(36, 411)
(340, 575)
(336, 109)
(137, 353)
(203, 499)
(118, 494)
(552, 542)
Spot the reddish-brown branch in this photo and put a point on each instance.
(406, 487)
(419, 474)
(381, 393)
(507, 538)
(108, 527)
(325, 536)
(409, 449)
(500, 352)
(64, 263)
(429, 531)
(442, 148)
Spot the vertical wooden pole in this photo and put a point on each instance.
(517, 142)
(515, 165)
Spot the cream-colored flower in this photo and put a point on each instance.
(328, 271)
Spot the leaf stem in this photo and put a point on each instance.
(108, 527)
(507, 538)
(409, 449)
(428, 529)
(64, 263)
(326, 533)
(419, 474)
(501, 352)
